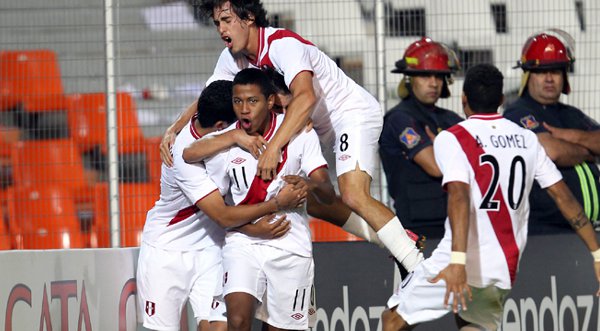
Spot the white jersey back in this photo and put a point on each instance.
(236, 168)
(290, 54)
(175, 223)
(499, 160)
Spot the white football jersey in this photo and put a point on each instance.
(499, 160)
(175, 223)
(236, 168)
(339, 97)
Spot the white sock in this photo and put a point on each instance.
(360, 228)
(394, 237)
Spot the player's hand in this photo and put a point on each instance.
(290, 197)
(264, 228)
(430, 133)
(165, 148)
(597, 270)
(298, 182)
(267, 163)
(255, 145)
(455, 276)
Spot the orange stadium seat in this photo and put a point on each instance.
(136, 200)
(5, 242)
(153, 158)
(327, 232)
(44, 217)
(30, 79)
(87, 122)
(41, 162)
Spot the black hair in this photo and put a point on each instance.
(255, 76)
(277, 80)
(483, 88)
(215, 104)
(242, 8)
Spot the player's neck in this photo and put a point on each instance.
(203, 131)
(251, 50)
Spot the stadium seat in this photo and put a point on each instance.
(327, 232)
(153, 158)
(37, 163)
(136, 200)
(31, 80)
(87, 122)
(44, 217)
(5, 242)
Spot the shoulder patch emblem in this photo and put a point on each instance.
(409, 137)
(529, 122)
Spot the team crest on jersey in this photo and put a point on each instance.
(297, 316)
(238, 160)
(150, 308)
(410, 138)
(529, 122)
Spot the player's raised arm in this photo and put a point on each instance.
(296, 117)
(210, 145)
(172, 131)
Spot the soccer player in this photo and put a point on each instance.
(488, 164)
(277, 273)
(345, 116)
(180, 254)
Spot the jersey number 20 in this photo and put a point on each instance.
(518, 163)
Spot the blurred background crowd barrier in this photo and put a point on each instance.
(87, 87)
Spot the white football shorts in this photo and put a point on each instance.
(167, 279)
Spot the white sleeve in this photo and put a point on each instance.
(192, 179)
(546, 173)
(451, 159)
(226, 68)
(216, 166)
(312, 157)
(291, 57)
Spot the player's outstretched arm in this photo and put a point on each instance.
(172, 132)
(208, 146)
(574, 214)
(266, 228)
(455, 273)
(296, 116)
(215, 208)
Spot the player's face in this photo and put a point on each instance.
(233, 30)
(282, 100)
(545, 87)
(252, 108)
(427, 89)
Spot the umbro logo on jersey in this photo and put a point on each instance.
(311, 311)
(344, 157)
(297, 316)
(238, 160)
(150, 308)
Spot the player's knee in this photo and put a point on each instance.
(237, 322)
(354, 198)
(392, 321)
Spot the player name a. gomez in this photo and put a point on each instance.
(505, 141)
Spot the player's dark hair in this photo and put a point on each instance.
(242, 8)
(277, 80)
(483, 88)
(215, 104)
(253, 76)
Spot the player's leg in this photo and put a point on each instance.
(341, 215)
(244, 284)
(206, 287)
(164, 280)
(289, 289)
(391, 321)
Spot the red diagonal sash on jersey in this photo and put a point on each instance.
(500, 219)
(258, 189)
(184, 214)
